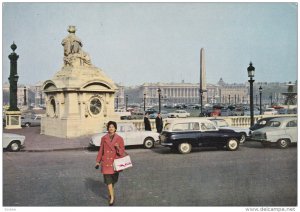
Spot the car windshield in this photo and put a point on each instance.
(221, 123)
(273, 124)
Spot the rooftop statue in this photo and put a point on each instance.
(73, 53)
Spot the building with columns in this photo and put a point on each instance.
(172, 93)
(233, 93)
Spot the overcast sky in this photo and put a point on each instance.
(136, 43)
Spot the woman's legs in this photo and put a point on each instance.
(111, 192)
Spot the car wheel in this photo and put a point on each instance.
(232, 144)
(283, 143)
(243, 138)
(27, 124)
(149, 143)
(184, 148)
(15, 146)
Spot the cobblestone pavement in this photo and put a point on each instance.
(251, 176)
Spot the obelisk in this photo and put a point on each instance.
(202, 71)
(202, 78)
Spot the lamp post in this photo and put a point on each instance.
(229, 99)
(25, 98)
(251, 71)
(126, 103)
(117, 102)
(260, 92)
(159, 96)
(144, 102)
(271, 100)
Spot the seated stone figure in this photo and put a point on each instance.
(73, 54)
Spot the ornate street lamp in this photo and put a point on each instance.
(144, 102)
(260, 92)
(251, 71)
(159, 93)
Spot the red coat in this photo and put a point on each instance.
(108, 152)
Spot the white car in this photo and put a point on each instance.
(33, 121)
(13, 142)
(221, 123)
(179, 114)
(280, 131)
(270, 111)
(131, 136)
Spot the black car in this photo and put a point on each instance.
(186, 134)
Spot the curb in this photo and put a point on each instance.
(54, 150)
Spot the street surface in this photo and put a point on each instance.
(251, 176)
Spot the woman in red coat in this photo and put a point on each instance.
(111, 147)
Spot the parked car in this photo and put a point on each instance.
(261, 123)
(280, 131)
(124, 115)
(163, 114)
(256, 112)
(32, 121)
(13, 142)
(179, 114)
(131, 136)
(221, 123)
(186, 134)
(238, 112)
(270, 111)
(226, 112)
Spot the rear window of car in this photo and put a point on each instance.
(189, 126)
(292, 123)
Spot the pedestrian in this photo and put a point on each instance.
(111, 147)
(147, 122)
(159, 123)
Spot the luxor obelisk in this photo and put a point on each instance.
(202, 78)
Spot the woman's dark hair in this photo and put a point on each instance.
(113, 123)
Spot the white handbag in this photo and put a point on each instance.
(122, 163)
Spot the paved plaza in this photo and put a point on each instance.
(251, 176)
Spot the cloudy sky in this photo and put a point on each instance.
(136, 43)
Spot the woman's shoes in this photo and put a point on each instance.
(111, 203)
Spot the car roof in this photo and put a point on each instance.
(285, 119)
(186, 120)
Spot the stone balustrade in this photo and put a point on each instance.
(237, 121)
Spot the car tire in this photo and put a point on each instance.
(283, 143)
(243, 138)
(27, 124)
(232, 144)
(14, 146)
(149, 143)
(184, 148)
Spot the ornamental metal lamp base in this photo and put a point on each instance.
(13, 120)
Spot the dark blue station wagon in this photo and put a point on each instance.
(185, 134)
